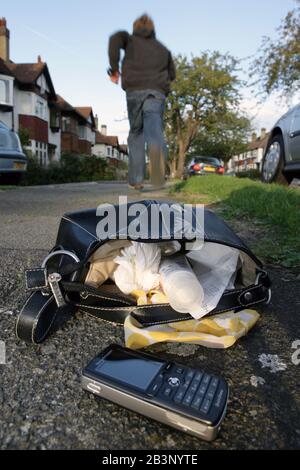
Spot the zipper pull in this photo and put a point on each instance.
(54, 280)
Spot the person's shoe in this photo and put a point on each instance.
(152, 188)
(137, 187)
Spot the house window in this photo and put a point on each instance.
(6, 91)
(108, 151)
(41, 153)
(66, 124)
(82, 132)
(54, 120)
(40, 109)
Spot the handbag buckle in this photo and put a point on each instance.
(59, 253)
(264, 273)
(54, 279)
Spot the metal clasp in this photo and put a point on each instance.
(55, 278)
(269, 290)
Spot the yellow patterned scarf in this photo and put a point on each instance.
(219, 331)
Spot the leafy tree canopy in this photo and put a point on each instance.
(277, 66)
(203, 105)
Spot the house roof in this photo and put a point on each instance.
(86, 112)
(259, 143)
(4, 70)
(28, 74)
(63, 104)
(107, 139)
(124, 148)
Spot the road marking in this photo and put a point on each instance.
(256, 381)
(2, 353)
(296, 355)
(272, 362)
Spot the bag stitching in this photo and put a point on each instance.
(108, 298)
(35, 324)
(33, 271)
(21, 312)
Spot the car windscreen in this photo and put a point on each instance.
(9, 141)
(208, 160)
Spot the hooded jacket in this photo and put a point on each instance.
(147, 63)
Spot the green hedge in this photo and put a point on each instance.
(252, 174)
(71, 169)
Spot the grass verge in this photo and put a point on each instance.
(4, 187)
(275, 207)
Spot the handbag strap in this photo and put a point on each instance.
(38, 317)
(40, 313)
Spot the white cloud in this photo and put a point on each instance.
(266, 114)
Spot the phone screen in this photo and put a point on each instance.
(129, 369)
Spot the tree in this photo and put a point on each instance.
(206, 89)
(24, 137)
(277, 65)
(224, 137)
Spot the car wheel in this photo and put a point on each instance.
(273, 163)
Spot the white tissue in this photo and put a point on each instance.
(138, 268)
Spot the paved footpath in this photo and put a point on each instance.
(41, 403)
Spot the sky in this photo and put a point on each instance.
(72, 37)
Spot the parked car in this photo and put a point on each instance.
(205, 166)
(281, 161)
(13, 162)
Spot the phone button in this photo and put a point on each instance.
(197, 402)
(206, 406)
(174, 381)
(188, 398)
(168, 391)
(180, 395)
(156, 386)
(94, 388)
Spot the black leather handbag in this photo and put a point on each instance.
(57, 289)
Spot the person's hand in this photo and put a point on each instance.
(115, 78)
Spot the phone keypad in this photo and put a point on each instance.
(188, 388)
(197, 391)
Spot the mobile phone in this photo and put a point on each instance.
(182, 397)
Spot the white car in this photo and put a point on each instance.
(281, 161)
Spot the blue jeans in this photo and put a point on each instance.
(146, 113)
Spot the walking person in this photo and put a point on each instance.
(147, 72)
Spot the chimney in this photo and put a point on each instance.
(263, 133)
(39, 60)
(104, 129)
(254, 137)
(4, 40)
(96, 121)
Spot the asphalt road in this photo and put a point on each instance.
(41, 403)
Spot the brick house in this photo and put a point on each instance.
(252, 158)
(6, 94)
(27, 90)
(77, 128)
(33, 92)
(87, 130)
(124, 153)
(28, 101)
(107, 146)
